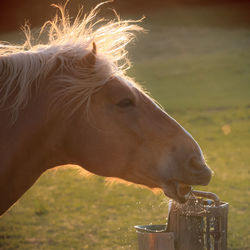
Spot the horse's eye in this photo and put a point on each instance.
(125, 103)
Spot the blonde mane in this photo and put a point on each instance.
(27, 65)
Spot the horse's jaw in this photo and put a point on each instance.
(177, 191)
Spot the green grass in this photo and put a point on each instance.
(200, 73)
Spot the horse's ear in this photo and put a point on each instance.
(90, 58)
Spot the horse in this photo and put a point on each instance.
(69, 101)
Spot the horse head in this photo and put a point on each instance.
(125, 134)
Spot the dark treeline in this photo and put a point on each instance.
(14, 13)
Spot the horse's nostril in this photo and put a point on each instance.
(199, 171)
(196, 164)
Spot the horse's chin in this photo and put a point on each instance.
(178, 191)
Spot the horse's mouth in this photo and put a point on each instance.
(177, 191)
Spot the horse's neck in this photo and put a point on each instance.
(26, 151)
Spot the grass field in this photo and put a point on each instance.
(196, 63)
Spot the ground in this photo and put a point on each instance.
(196, 63)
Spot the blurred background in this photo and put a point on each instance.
(14, 12)
(195, 60)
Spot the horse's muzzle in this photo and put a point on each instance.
(196, 172)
